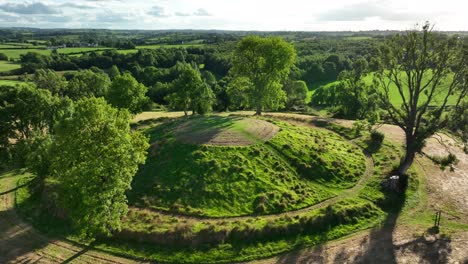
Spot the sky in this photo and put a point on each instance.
(263, 15)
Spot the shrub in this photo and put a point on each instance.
(377, 136)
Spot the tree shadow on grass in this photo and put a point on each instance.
(17, 241)
(381, 245)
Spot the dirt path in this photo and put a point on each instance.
(20, 243)
(402, 245)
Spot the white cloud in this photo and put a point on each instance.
(310, 15)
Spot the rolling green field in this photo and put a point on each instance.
(80, 50)
(395, 97)
(15, 53)
(10, 82)
(6, 66)
(168, 46)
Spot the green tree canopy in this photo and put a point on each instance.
(113, 72)
(265, 62)
(127, 92)
(95, 156)
(190, 92)
(296, 93)
(87, 83)
(50, 80)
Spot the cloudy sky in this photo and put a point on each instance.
(309, 15)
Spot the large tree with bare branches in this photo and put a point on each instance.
(430, 73)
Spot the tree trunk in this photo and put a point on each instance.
(407, 160)
(185, 112)
(259, 110)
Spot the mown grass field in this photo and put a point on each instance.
(6, 66)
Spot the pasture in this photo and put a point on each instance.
(16, 53)
(6, 66)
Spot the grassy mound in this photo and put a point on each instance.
(225, 131)
(263, 178)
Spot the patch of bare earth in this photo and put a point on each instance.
(255, 131)
(401, 245)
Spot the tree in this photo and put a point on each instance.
(190, 92)
(3, 57)
(354, 98)
(95, 156)
(425, 69)
(265, 62)
(113, 72)
(296, 93)
(50, 80)
(238, 91)
(126, 92)
(25, 109)
(32, 61)
(203, 99)
(87, 83)
(26, 114)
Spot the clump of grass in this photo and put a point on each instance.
(444, 161)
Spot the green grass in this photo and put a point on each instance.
(157, 46)
(228, 180)
(251, 239)
(10, 82)
(15, 53)
(80, 50)
(6, 66)
(321, 156)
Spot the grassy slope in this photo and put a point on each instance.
(8, 66)
(320, 156)
(228, 181)
(10, 82)
(15, 53)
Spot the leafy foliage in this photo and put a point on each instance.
(190, 92)
(95, 158)
(50, 80)
(265, 62)
(87, 84)
(126, 92)
(296, 94)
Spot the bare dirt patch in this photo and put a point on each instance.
(402, 245)
(226, 131)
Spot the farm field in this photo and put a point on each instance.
(15, 53)
(80, 50)
(9, 82)
(6, 66)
